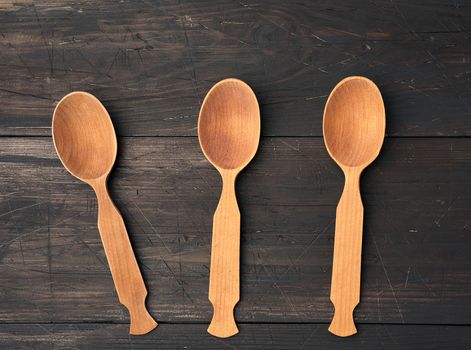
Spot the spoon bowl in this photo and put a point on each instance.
(84, 136)
(229, 125)
(354, 122)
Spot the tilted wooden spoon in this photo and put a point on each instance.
(354, 127)
(85, 141)
(229, 132)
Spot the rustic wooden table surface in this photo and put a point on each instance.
(151, 63)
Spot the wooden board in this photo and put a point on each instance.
(416, 266)
(151, 63)
(252, 336)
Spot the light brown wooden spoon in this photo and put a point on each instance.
(354, 127)
(229, 132)
(85, 141)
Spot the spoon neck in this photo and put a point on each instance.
(352, 178)
(352, 173)
(99, 185)
(228, 180)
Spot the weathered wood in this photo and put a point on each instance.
(415, 268)
(252, 336)
(152, 62)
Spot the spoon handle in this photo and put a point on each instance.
(127, 278)
(345, 289)
(225, 260)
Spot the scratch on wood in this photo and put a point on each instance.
(389, 280)
(407, 278)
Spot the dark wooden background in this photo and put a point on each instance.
(151, 63)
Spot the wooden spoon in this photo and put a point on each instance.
(85, 141)
(354, 126)
(229, 132)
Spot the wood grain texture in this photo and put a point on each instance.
(229, 134)
(152, 62)
(224, 277)
(354, 125)
(346, 263)
(252, 336)
(416, 266)
(127, 278)
(86, 144)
